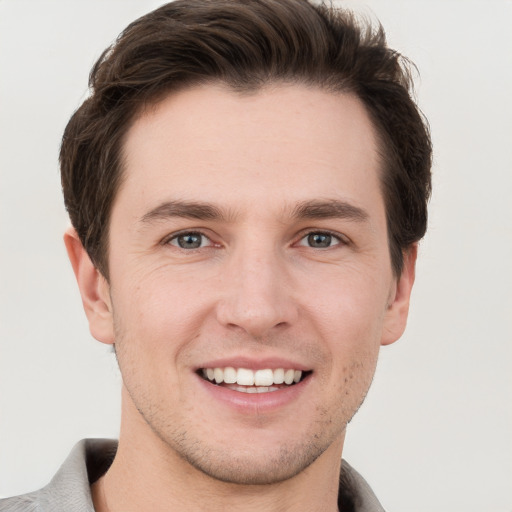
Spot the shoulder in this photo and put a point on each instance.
(23, 503)
(69, 489)
(354, 492)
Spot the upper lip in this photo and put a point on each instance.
(253, 363)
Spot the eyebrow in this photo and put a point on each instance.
(185, 209)
(330, 209)
(314, 209)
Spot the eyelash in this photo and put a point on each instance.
(337, 238)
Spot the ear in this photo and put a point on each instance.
(398, 306)
(94, 289)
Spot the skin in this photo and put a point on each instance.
(256, 289)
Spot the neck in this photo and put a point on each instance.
(147, 474)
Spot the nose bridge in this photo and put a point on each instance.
(257, 295)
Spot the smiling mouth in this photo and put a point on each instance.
(253, 381)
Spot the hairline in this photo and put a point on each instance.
(151, 103)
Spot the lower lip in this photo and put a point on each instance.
(256, 403)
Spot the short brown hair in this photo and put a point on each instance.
(245, 44)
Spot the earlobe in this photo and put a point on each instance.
(398, 307)
(94, 289)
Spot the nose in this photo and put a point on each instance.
(257, 295)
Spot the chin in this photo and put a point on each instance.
(252, 469)
(265, 460)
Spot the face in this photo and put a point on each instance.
(250, 278)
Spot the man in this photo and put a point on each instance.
(247, 184)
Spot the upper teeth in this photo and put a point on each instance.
(246, 377)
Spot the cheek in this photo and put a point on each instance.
(349, 316)
(159, 305)
(349, 307)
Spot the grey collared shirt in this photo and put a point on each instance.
(70, 488)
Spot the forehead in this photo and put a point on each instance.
(286, 143)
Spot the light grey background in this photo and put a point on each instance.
(436, 430)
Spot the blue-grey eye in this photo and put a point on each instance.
(189, 240)
(319, 240)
